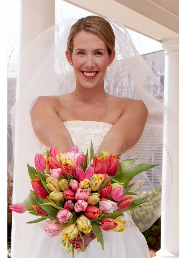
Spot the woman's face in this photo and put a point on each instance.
(90, 59)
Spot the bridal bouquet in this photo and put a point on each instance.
(79, 195)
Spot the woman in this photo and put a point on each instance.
(89, 113)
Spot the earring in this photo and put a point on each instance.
(109, 64)
(71, 63)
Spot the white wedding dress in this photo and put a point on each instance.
(32, 242)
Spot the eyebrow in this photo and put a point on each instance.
(99, 49)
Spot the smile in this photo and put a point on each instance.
(90, 75)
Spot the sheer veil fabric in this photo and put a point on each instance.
(47, 72)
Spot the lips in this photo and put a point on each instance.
(89, 75)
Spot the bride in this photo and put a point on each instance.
(89, 112)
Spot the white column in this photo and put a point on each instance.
(170, 197)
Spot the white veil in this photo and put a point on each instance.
(48, 73)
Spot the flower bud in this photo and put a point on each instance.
(52, 228)
(125, 202)
(69, 205)
(117, 185)
(38, 209)
(108, 223)
(92, 212)
(56, 195)
(84, 183)
(105, 191)
(82, 194)
(121, 223)
(93, 199)
(96, 181)
(53, 152)
(69, 194)
(80, 205)
(52, 184)
(63, 215)
(40, 162)
(69, 232)
(117, 193)
(84, 224)
(18, 208)
(73, 184)
(64, 185)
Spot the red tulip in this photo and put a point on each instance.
(108, 223)
(54, 163)
(112, 164)
(117, 193)
(39, 210)
(69, 194)
(53, 152)
(105, 191)
(40, 162)
(125, 202)
(92, 212)
(100, 165)
(67, 168)
(18, 208)
(38, 188)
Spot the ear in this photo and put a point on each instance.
(111, 57)
(68, 56)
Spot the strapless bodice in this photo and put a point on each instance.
(83, 132)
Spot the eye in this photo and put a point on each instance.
(81, 53)
(98, 53)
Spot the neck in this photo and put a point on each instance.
(90, 95)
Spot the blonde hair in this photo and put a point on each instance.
(96, 25)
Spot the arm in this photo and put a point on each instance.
(128, 129)
(48, 126)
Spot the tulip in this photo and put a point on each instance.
(73, 184)
(80, 205)
(52, 184)
(40, 162)
(64, 185)
(104, 154)
(112, 164)
(74, 149)
(84, 183)
(96, 181)
(55, 173)
(38, 188)
(18, 208)
(81, 158)
(52, 228)
(80, 174)
(69, 194)
(100, 165)
(63, 215)
(56, 195)
(69, 205)
(53, 152)
(105, 191)
(121, 223)
(108, 206)
(93, 199)
(108, 223)
(125, 202)
(117, 185)
(54, 163)
(117, 193)
(92, 212)
(39, 210)
(67, 168)
(79, 243)
(84, 224)
(89, 173)
(69, 232)
(82, 194)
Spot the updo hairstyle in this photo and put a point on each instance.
(96, 25)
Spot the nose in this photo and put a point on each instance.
(89, 63)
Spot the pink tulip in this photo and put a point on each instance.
(40, 162)
(78, 243)
(105, 191)
(117, 193)
(38, 188)
(125, 202)
(18, 208)
(52, 228)
(54, 163)
(74, 184)
(67, 168)
(81, 158)
(69, 194)
(108, 223)
(55, 173)
(107, 206)
(80, 205)
(80, 174)
(100, 165)
(69, 205)
(74, 149)
(89, 173)
(82, 193)
(39, 210)
(92, 212)
(112, 164)
(63, 215)
(53, 152)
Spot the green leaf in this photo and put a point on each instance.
(30, 200)
(69, 177)
(131, 193)
(115, 214)
(105, 183)
(125, 163)
(52, 204)
(48, 153)
(36, 220)
(98, 233)
(91, 151)
(62, 177)
(41, 175)
(35, 213)
(31, 171)
(87, 159)
(51, 211)
(127, 188)
(128, 174)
